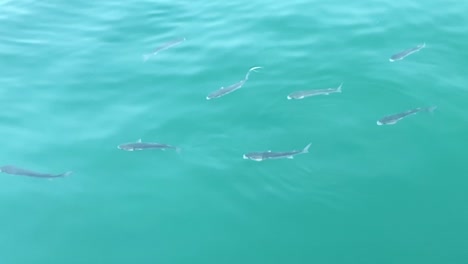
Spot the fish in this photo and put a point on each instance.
(403, 54)
(164, 46)
(259, 156)
(308, 93)
(393, 119)
(227, 90)
(139, 145)
(10, 169)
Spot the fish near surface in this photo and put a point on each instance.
(307, 93)
(403, 54)
(260, 156)
(393, 119)
(139, 145)
(227, 90)
(13, 170)
(163, 47)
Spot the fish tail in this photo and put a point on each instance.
(339, 88)
(306, 148)
(431, 109)
(68, 173)
(178, 149)
(146, 57)
(65, 174)
(250, 70)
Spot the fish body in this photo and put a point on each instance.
(260, 156)
(10, 169)
(403, 54)
(227, 90)
(139, 145)
(308, 93)
(163, 47)
(393, 119)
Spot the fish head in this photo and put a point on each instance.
(6, 168)
(295, 96)
(257, 156)
(126, 147)
(387, 122)
(214, 94)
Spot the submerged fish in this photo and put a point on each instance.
(226, 90)
(163, 47)
(259, 156)
(393, 119)
(9, 169)
(145, 145)
(403, 54)
(308, 93)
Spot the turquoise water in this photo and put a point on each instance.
(73, 86)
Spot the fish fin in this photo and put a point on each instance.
(306, 148)
(268, 150)
(139, 140)
(178, 149)
(290, 157)
(339, 88)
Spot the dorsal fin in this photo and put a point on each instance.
(139, 140)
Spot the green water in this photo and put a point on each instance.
(73, 86)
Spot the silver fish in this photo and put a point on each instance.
(226, 90)
(393, 119)
(403, 54)
(163, 47)
(308, 93)
(139, 145)
(10, 169)
(259, 156)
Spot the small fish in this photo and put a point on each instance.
(393, 119)
(163, 47)
(145, 145)
(9, 169)
(403, 54)
(223, 91)
(308, 93)
(259, 156)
